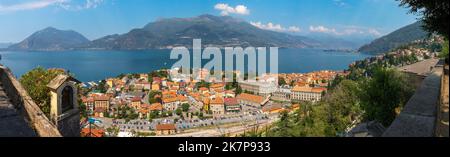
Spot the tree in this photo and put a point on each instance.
(113, 131)
(185, 107)
(342, 107)
(106, 114)
(178, 111)
(283, 124)
(386, 91)
(444, 51)
(230, 85)
(292, 83)
(83, 110)
(203, 83)
(154, 114)
(329, 117)
(434, 14)
(152, 97)
(281, 81)
(35, 83)
(200, 115)
(238, 90)
(102, 86)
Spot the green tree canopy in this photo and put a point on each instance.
(185, 107)
(444, 53)
(35, 83)
(329, 117)
(387, 90)
(178, 111)
(434, 13)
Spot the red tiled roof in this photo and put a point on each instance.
(165, 127)
(145, 105)
(231, 101)
(156, 107)
(251, 97)
(86, 132)
(216, 101)
(101, 98)
(203, 89)
(87, 99)
(135, 99)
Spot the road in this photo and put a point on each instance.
(145, 125)
(228, 131)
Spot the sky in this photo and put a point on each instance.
(97, 18)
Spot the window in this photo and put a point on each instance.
(67, 99)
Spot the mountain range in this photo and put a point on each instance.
(396, 39)
(218, 31)
(5, 45)
(51, 39)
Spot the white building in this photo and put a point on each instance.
(259, 88)
(283, 93)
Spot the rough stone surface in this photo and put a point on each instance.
(408, 125)
(12, 123)
(442, 124)
(425, 99)
(70, 126)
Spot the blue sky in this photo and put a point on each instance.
(97, 18)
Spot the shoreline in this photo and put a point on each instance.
(92, 65)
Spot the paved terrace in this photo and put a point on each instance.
(420, 68)
(19, 115)
(12, 123)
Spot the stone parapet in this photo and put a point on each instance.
(24, 104)
(418, 118)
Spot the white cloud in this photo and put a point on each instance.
(275, 27)
(340, 3)
(227, 9)
(31, 5)
(294, 29)
(347, 30)
(39, 4)
(88, 4)
(322, 29)
(93, 3)
(374, 32)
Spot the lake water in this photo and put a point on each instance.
(98, 65)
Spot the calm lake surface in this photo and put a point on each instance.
(98, 65)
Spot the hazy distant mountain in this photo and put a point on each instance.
(51, 39)
(395, 39)
(217, 31)
(5, 45)
(334, 42)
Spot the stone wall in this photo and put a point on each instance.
(23, 102)
(418, 117)
(442, 125)
(70, 126)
